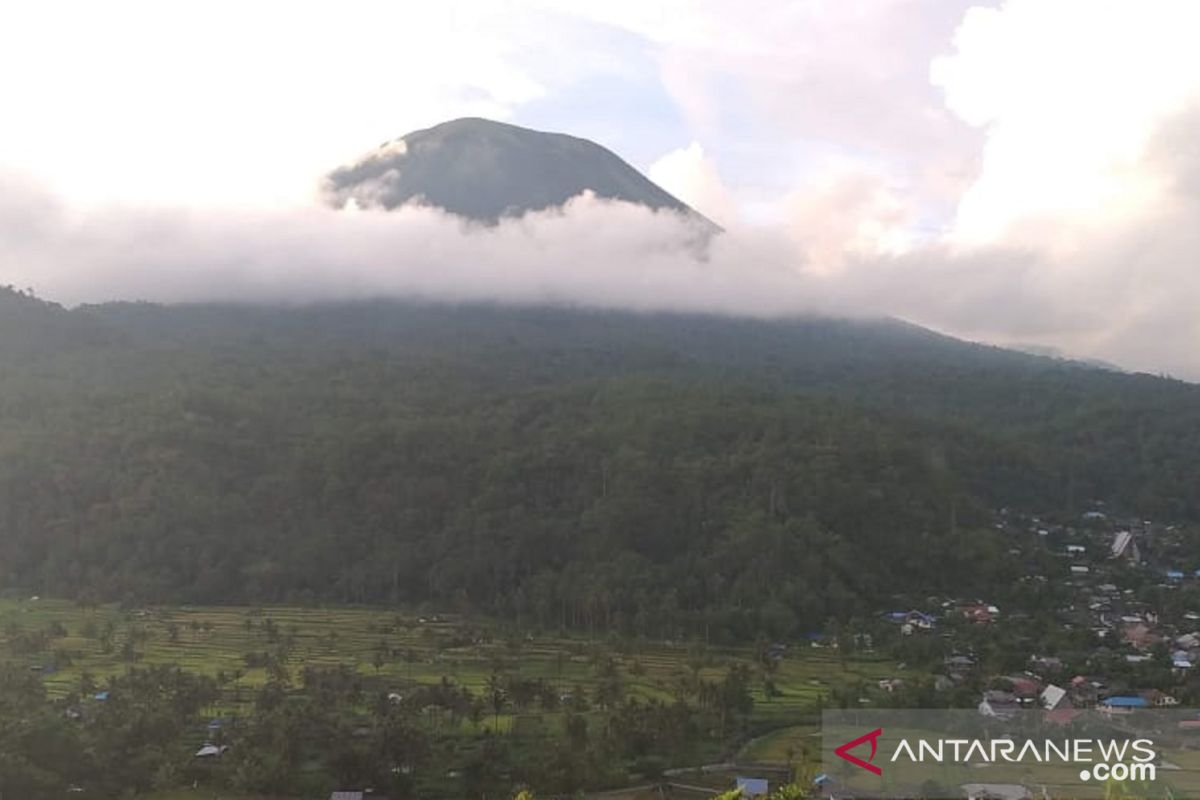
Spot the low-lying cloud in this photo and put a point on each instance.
(1125, 294)
(1016, 171)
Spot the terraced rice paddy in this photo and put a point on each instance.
(398, 649)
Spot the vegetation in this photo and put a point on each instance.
(116, 701)
(662, 476)
(607, 521)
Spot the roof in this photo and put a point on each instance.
(1062, 716)
(1125, 702)
(752, 787)
(347, 796)
(1053, 695)
(211, 751)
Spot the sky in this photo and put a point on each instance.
(1016, 171)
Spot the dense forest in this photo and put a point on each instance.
(660, 475)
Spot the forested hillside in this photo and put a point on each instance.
(654, 473)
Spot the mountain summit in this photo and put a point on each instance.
(485, 170)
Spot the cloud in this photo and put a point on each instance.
(592, 252)
(230, 103)
(1067, 94)
(1012, 171)
(1127, 296)
(692, 176)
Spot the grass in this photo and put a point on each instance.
(797, 743)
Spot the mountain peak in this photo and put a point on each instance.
(486, 170)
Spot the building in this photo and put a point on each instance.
(1053, 697)
(1124, 546)
(1125, 704)
(1000, 705)
(210, 750)
(752, 787)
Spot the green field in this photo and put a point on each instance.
(394, 648)
(797, 743)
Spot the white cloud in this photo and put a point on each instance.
(235, 103)
(1068, 94)
(1017, 171)
(689, 174)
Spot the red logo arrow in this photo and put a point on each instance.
(872, 737)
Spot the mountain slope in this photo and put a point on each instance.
(653, 473)
(485, 170)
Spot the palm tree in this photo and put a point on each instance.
(495, 690)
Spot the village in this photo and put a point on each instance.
(1105, 615)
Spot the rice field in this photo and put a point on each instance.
(395, 647)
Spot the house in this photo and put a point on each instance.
(956, 664)
(979, 612)
(1139, 635)
(1123, 705)
(1023, 686)
(1046, 663)
(1079, 569)
(912, 620)
(1076, 549)
(752, 787)
(210, 750)
(1174, 575)
(1000, 705)
(1159, 699)
(1053, 697)
(1124, 546)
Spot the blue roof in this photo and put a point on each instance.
(1174, 573)
(100, 696)
(752, 786)
(1125, 702)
